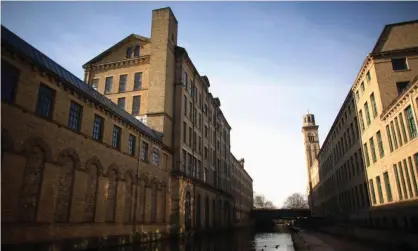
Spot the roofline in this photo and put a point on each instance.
(389, 26)
(169, 9)
(113, 46)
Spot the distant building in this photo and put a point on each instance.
(368, 163)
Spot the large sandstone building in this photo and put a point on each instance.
(139, 148)
(366, 170)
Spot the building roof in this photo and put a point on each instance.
(101, 55)
(386, 30)
(8, 38)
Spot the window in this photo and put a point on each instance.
(129, 52)
(108, 85)
(185, 105)
(136, 104)
(155, 156)
(206, 153)
(200, 121)
(402, 180)
(184, 132)
(200, 144)
(131, 146)
(117, 131)
(401, 86)
(44, 106)
(387, 185)
(405, 138)
(389, 138)
(372, 150)
(357, 96)
(122, 83)
(372, 193)
(205, 175)
(121, 103)
(194, 140)
(374, 107)
(368, 77)
(411, 170)
(74, 119)
(98, 127)
(185, 80)
(410, 122)
(190, 136)
(395, 140)
(144, 151)
(362, 87)
(9, 80)
(190, 110)
(408, 179)
(398, 131)
(366, 110)
(138, 81)
(206, 131)
(366, 154)
(399, 64)
(136, 51)
(360, 114)
(379, 189)
(380, 144)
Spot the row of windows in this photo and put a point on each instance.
(135, 51)
(352, 167)
(367, 112)
(123, 81)
(396, 139)
(362, 87)
(372, 145)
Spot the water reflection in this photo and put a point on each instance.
(241, 240)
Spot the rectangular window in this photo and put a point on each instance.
(184, 132)
(366, 154)
(136, 104)
(408, 179)
(194, 140)
(144, 151)
(131, 146)
(366, 110)
(117, 131)
(9, 80)
(357, 96)
(190, 110)
(138, 81)
(205, 175)
(387, 185)
(185, 105)
(98, 128)
(199, 122)
(360, 115)
(398, 132)
(74, 118)
(398, 182)
(108, 85)
(395, 140)
(410, 121)
(206, 153)
(372, 150)
(372, 193)
(155, 156)
(389, 138)
(206, 132)
(185, 77)
(122, 83)
(362, 87)
(405, 138)
(183, 160)
(380, 144)
(379, 190)
(200, 144)
(368, 77)
(190, 136)
(399, 64)
(405, 193)
(412, 172)
(95, 84)
(136, 51)
(121, 103)
(374, 106)
(401, 86)
(45, 103)
(129, 52)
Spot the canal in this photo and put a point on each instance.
(238, 240)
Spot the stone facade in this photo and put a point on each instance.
(175, 100)
(78, 165)
(368, 163)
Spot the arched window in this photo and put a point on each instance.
(129, 192)
(154, 202)
(91, 193)
(65, 189)
(111, 195)
(31, 184)
(142, 200)
(187, 211)
(311, 138)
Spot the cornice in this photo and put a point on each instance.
(120, 64)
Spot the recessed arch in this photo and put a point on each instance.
(37, 142)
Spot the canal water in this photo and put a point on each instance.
(241, 240)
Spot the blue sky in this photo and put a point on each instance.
(268, 62)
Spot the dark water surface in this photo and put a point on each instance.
(241, 240)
